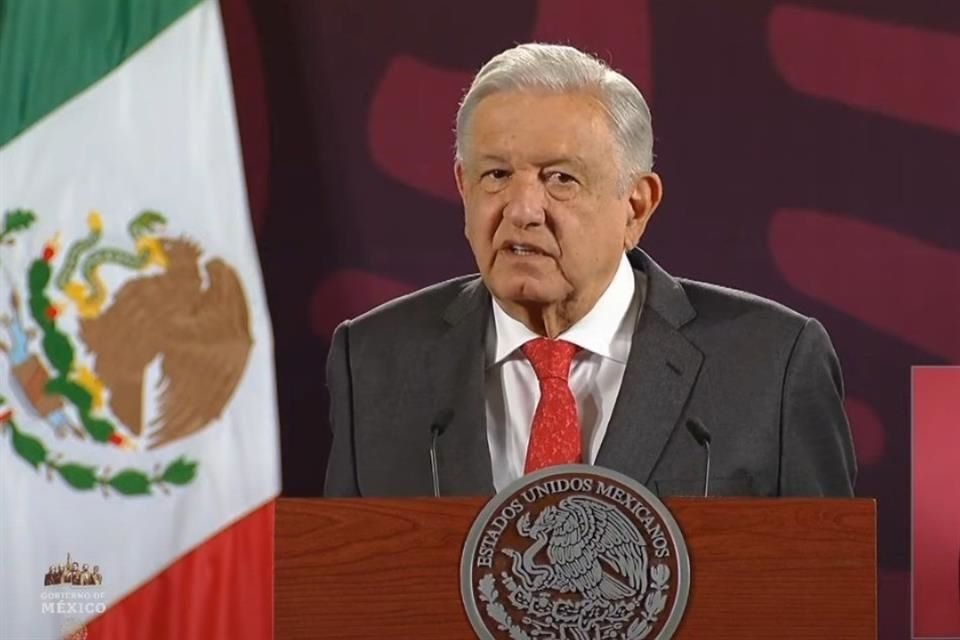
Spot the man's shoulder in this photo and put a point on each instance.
(747, 330)
(725, 310)
(716, 299)
(421, 310)
(695, 304)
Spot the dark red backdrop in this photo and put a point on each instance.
(810, 153)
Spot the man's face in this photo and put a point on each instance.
(547, 216)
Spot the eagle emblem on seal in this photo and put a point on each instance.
(594, 551)
(575, 552)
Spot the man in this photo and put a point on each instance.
(572, 345)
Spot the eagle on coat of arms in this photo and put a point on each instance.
(201, 334)
(181, 313)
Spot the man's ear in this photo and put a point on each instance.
(458, 176)
(644, 197)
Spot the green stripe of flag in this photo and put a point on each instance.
(51, 50)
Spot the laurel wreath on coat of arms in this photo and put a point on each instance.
(200, 335)
(642, 612)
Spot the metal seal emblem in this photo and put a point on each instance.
(575, 552)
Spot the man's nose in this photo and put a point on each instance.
(526, 202)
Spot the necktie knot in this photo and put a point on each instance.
(550, 358)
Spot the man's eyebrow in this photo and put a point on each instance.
(490, 157)
(575, 161)
(550, 161)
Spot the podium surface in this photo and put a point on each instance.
(760, 568)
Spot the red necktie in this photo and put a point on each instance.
(555, 435)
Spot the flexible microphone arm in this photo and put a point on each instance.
(702, 436)
(436, 430)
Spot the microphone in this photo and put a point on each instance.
(439, 425)
(702, 436)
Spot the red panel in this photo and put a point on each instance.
(936, 501)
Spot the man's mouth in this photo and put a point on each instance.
(524, 250)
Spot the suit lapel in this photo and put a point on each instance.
(660, 373)
(457, 368)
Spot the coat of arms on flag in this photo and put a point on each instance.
(173, 308)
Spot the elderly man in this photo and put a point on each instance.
(572, 345)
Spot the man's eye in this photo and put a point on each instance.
(559, 177)
(496, 174)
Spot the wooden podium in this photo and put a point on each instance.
(761, 568)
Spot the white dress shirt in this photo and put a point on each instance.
(512, 389)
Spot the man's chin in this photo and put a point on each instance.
(528, 292)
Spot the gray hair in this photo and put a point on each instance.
(564, 69)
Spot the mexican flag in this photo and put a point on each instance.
(138, 432)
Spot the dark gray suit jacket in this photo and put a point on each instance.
(763, 379)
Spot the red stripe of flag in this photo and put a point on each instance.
(221, 589)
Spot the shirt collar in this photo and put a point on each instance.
(605, 330)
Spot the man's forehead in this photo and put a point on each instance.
(547, 125)
(506, 108)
